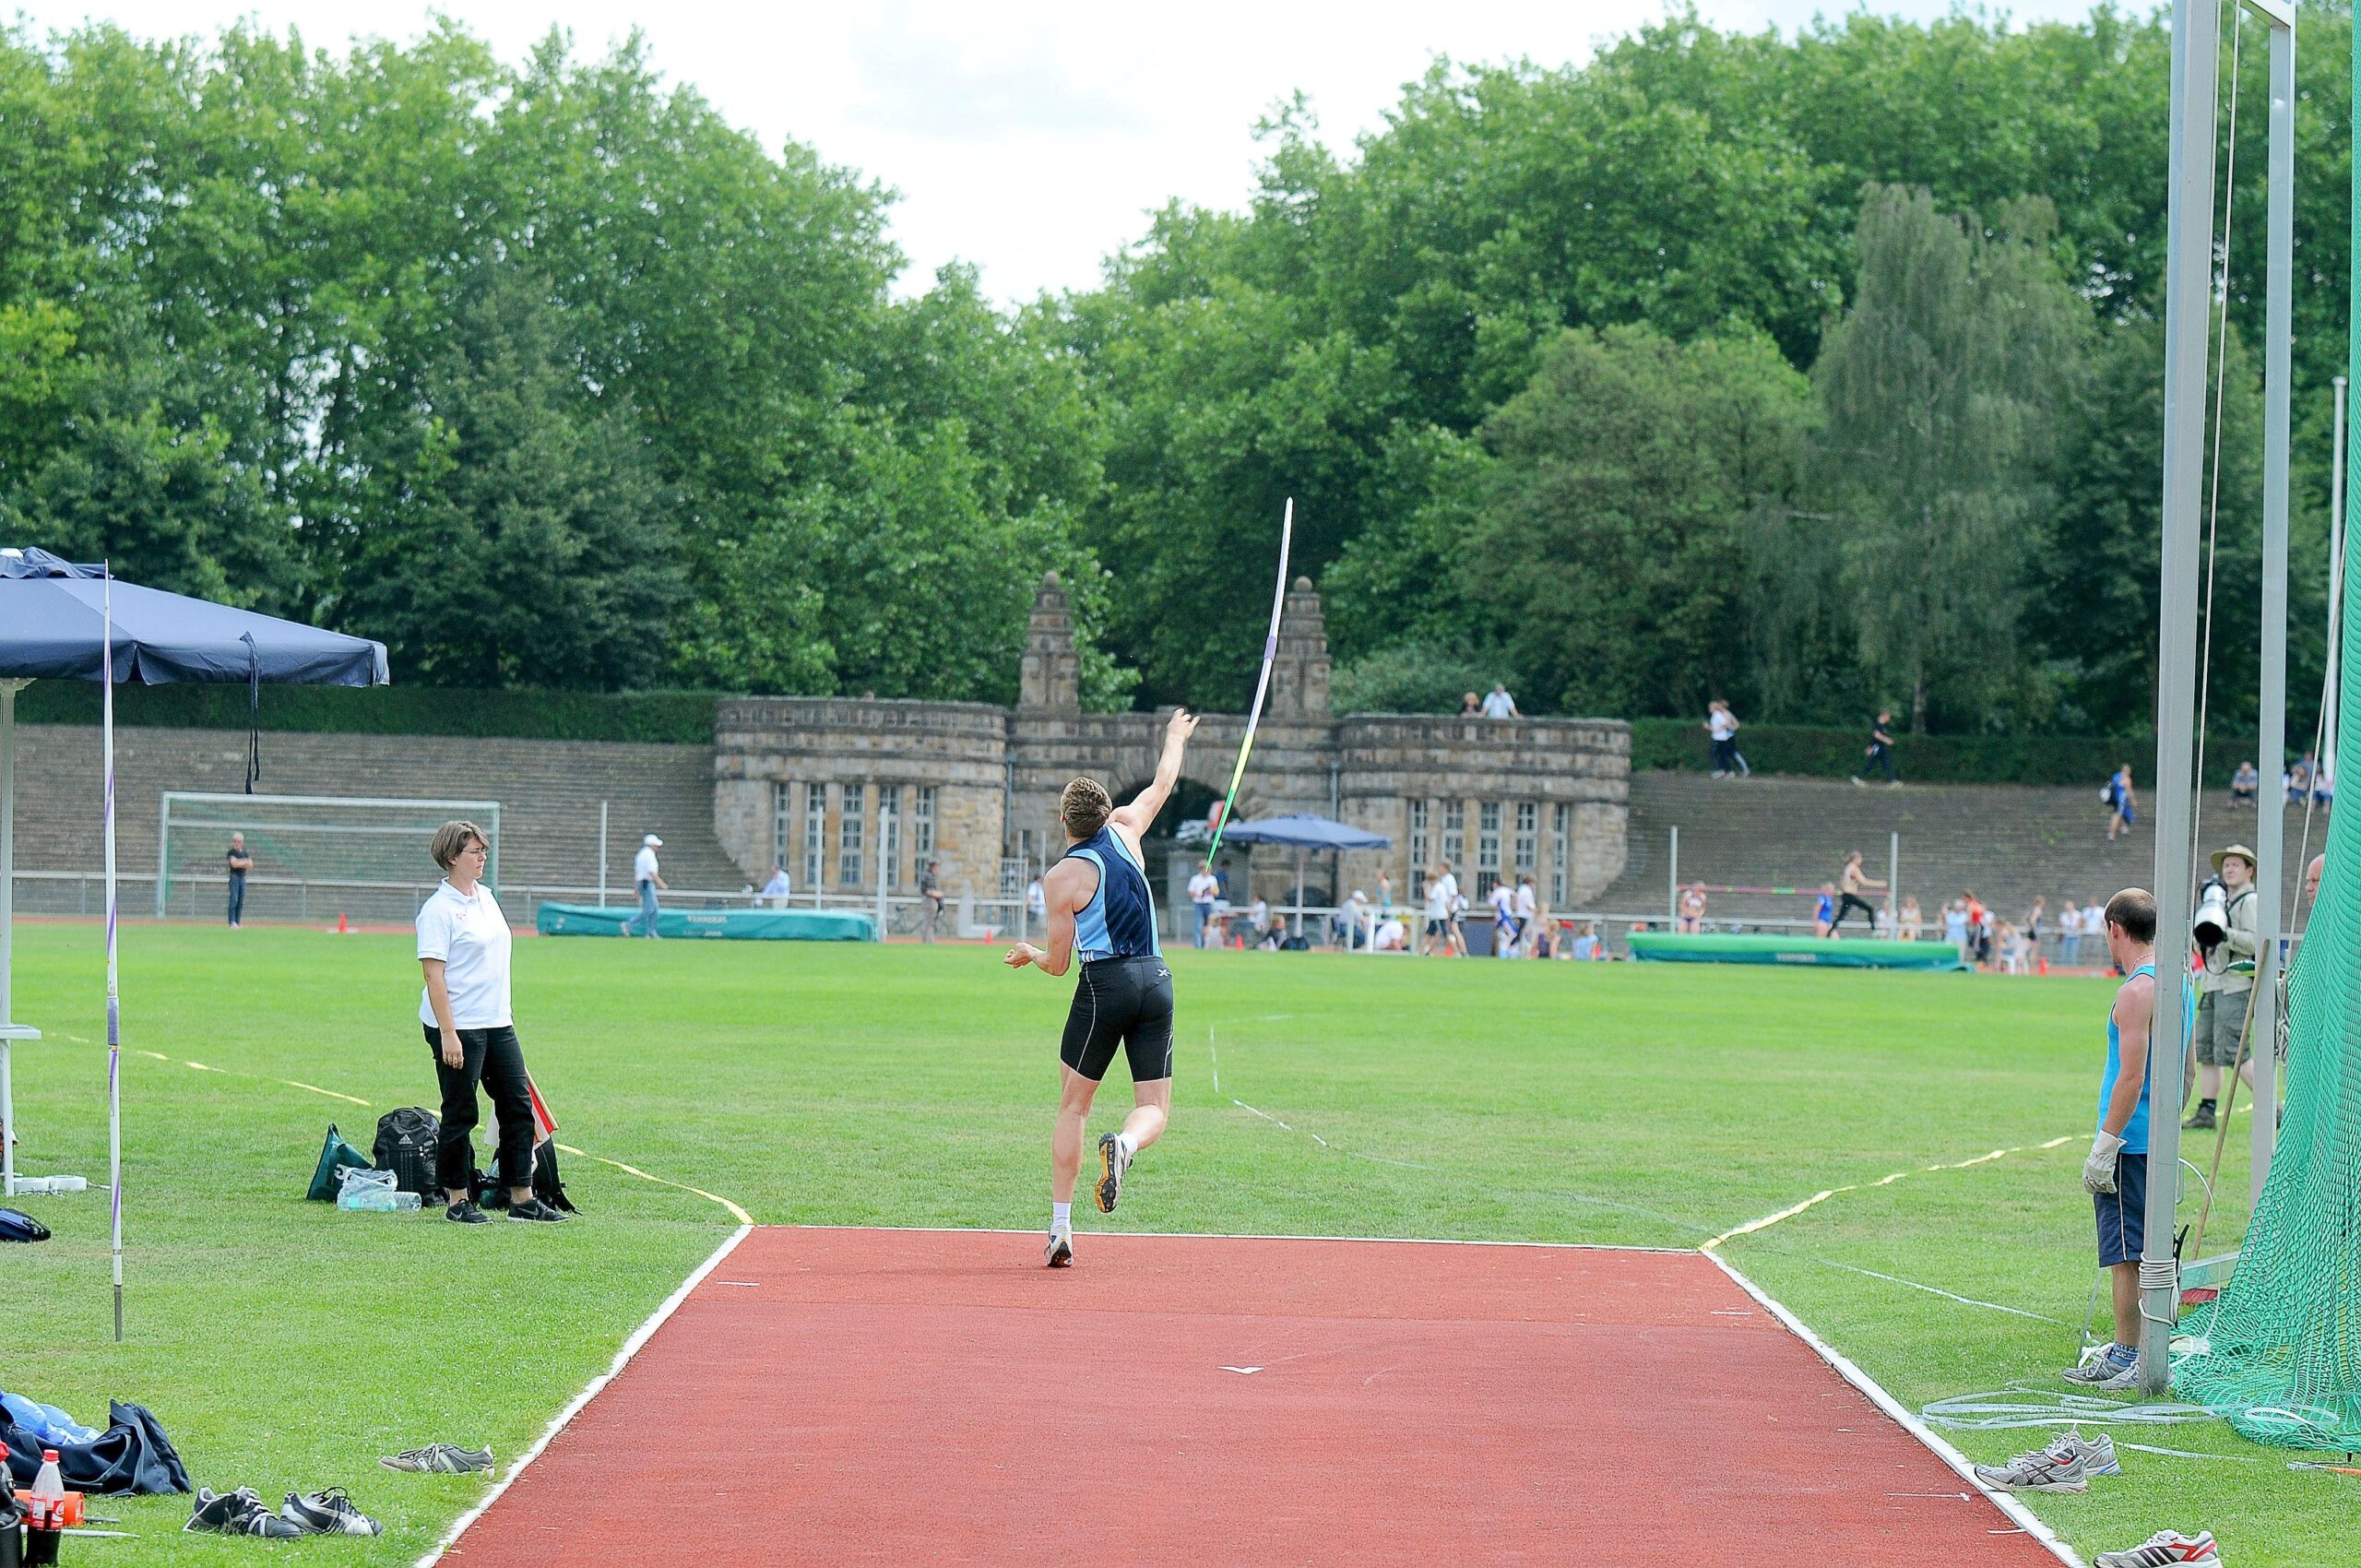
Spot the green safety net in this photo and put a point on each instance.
(2284, 1358)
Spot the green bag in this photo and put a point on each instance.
(335, 1156)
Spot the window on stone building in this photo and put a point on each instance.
(782, 824)
(1487, 848)
(815, 832)
(1561, 827)
(851, 819)
(1454, 835)
(1528, 827)
(1418, 862)
(923, 824)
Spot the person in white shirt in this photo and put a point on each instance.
(1204, 889)
(1529, 908)
(1502, 898)
(1259, 917)
(2069, 934)
(1442, 893)
(1498, 703)
(645, 875)
(777, 887)
(463, 948)
(1037, 901)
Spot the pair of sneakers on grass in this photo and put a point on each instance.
(2067, 1464)
(465, 1212)
(243, 1513)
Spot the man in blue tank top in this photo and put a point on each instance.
(1100, 911)
(2116, 1174)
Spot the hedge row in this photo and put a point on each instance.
(680, 716)
(1802, 750)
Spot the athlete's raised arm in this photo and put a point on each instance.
(1136, 816)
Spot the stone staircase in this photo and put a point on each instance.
(2007, 843)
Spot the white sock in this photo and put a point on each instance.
(1130, 1148)
(1062, 1216)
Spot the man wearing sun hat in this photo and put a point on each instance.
(643, 874)
(2224, 987)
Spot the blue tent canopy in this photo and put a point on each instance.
(51, 612)
(1305, 831)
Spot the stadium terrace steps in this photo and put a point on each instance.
(548, 794)
(2007, 842)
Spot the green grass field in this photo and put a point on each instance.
(286, 1346)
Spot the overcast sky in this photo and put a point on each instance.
(1028, 139)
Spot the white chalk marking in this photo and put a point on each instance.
(1752, 1226)
(1243, 1371)
(1932, 1290)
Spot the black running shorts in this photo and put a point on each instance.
(1125, 1002)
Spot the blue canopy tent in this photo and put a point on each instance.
(1301, 831)
(61, 620)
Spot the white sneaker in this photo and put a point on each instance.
(2100, 1372)
(1058, 1253)
(2166, 1549)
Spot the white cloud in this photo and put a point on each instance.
(1027, 138)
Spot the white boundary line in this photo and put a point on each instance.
(1844, 1369)
(631, 1347)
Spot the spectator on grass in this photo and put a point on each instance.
(2246, 787)
(1393, 936)
(1912, 921)
(1955, 926)
(931, 892)
(1271, 938)
(1353, 921)
(2012, 949)
(1691, 918)
(1823, 914)
(1585, 944)
(463, 946)
(1723, 726)
(1442, 888)
(1458, 929)
(1204, 889)
(2225, 987)
(1502, 898)
(1528, 915)
(777, 888)
(2032, 932)
(1258, 919)
(1879, 754)
(240, 862)
(1498, 703)
(2069, 934)
(646, 878)
(1036, 907)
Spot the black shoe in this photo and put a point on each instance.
(238, 1513)
(466, 1213)
(329, 1513)
(2201, 1120)
(1112, 1163)
(535, 1209)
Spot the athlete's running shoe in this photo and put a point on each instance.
(2099, 1453)
(2067, 1464)
(1059, 1251)
(2166, 1549)
(329, 1513)
(1112, 1163)
(239, 1513)
(440, 1460)
(2106, 1369)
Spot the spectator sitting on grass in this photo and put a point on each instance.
(2245, 785)
(1275, 938)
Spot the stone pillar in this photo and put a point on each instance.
(1300, 673)
(1052, 677)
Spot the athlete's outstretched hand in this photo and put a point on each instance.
(1023, 953)
(1182, 724)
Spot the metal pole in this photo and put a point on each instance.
(1672, 888)
(2278, 336)
(2188, 291)
(115, 1007)
(881, 861)
(602, 854)
(8, 1030)
(1893, 883)
(2335, 590)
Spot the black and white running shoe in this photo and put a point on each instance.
(465, 1212)
(1059, 1251)
(535, 1209)
(440, 1460)
(239, 1513)
(1112, 1163)
(329, 1513)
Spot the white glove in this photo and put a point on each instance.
(2098, 1171)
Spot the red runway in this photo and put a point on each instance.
(920, 1397)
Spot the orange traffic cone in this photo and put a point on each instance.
(341, 927)
(2045, 965)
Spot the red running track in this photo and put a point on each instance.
(839, 1397)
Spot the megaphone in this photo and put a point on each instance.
(2210, 927)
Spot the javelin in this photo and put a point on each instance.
(1261, 683)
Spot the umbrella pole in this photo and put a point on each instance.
(1298, 894)
(114, 1011)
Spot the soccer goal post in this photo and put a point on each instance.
(337, 844)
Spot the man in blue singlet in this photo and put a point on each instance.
(1100, 909)
(2116, 1174)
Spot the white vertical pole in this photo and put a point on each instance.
(2188, 294)
(2279, 334)
(9, 690)
(2335, 590)
(115, 1007)
(879, 851)
(1893, 883)
(602, 854)
(1672, 886)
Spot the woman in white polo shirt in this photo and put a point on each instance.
(463, 946)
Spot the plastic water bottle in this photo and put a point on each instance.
(366, 1197)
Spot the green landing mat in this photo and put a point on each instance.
(728, 925)
(1661, 947)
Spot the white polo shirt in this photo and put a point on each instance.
(470, 935)
(643, 865)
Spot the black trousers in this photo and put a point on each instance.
(1851, 903)
(1881, 757)
(493, 1058)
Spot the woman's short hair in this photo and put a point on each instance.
(1084, 807)
(452, 838)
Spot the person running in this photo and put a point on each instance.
(1100, 909)
(1442, 891)
(1850, 885)
(1723, 726)
(2122, 811)
(2115, 1174)
(1502, 898)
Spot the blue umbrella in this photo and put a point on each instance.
(1304, 831)
(59, 620)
